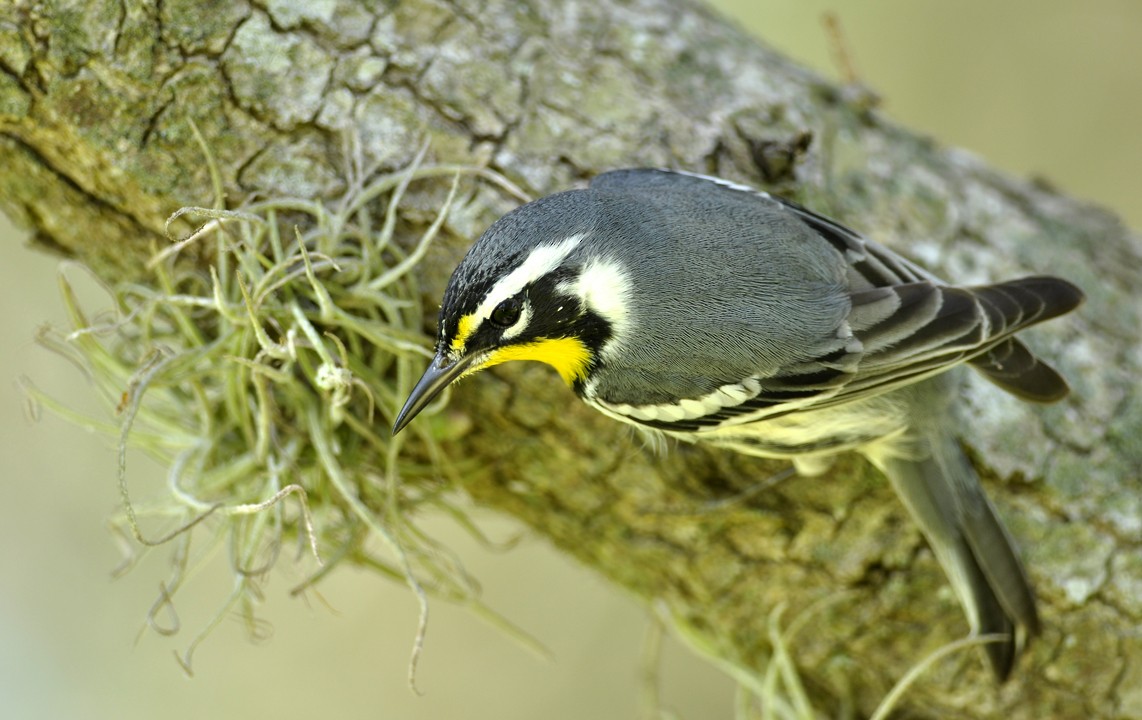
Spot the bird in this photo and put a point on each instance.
(709, 311)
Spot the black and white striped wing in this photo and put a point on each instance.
(909, 322)
(906, 325)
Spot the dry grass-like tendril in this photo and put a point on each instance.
(264, 374)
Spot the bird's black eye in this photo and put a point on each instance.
(506, 313)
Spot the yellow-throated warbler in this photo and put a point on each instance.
(717, 313)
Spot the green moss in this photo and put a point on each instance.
(265, 375)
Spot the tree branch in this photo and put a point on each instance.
(96, 104)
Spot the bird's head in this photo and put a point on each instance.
(533, 287)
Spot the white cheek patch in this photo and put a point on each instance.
(605, 288)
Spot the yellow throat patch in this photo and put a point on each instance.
(569, 356)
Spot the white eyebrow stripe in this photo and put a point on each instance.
(542, 260)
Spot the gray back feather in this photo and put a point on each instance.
(767, 293)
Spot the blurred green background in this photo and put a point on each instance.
(1050, 88)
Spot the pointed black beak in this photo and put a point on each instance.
(437, 377)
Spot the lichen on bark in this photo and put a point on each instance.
(96, 99)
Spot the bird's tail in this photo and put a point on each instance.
(942, 492)
(1012, 306)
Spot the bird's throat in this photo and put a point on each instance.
(568, 355)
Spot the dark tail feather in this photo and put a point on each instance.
(944, 496)
(1012, 366)
(1017, 304)
(1012, 306)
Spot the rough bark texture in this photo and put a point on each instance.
(96, 152)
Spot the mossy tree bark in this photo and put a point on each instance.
(96, 103)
